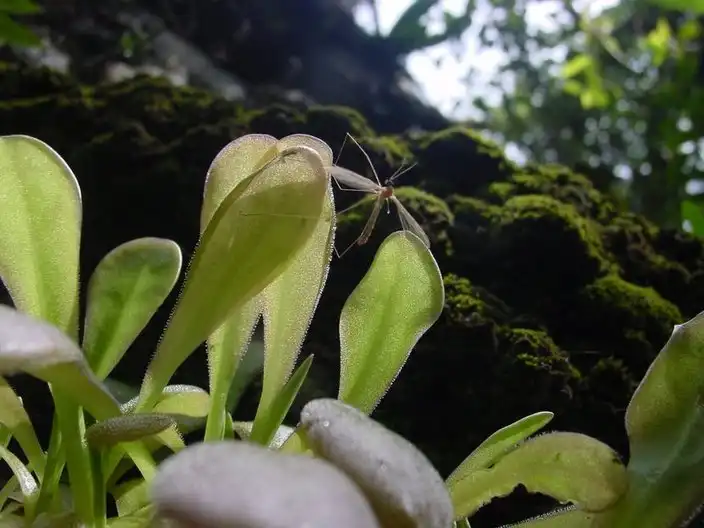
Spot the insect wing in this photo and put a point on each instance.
(353, 180)
(409, 223)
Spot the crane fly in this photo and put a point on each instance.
(384, 194)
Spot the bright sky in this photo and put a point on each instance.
(440, 73)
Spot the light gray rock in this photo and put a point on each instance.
(241, 485)
(404, 488)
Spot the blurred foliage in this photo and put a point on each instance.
(414, 30)
(11, 31)
(617, 92)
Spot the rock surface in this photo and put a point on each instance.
(556, 299)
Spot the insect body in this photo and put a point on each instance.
(384, 194)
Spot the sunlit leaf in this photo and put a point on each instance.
(665, 425)
(288, 303)
(498, 444)
(569, 467)
(126, 288)
(577, 65)
(694, 214)
(691, 6)
(28, 486)
(15, 418)
(250, 240)
(40, 231)
(399, 298)
(264, 431)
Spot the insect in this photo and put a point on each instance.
(384, 194)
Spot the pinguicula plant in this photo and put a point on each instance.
(267, 238)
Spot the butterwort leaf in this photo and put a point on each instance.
(397, 301)
(40, 231)
(251, 239)
(126, 288)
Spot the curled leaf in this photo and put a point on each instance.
(498, 444)
(570, 467)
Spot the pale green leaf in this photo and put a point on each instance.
(577, 65)
(397, 301)
(126, 288)
(498, 444)
(665, 425)
(40, 231)
(569, 467)
(691, 6)
(28, 486)
(264, 431)
(130, 496)
(288, 303)
(251, 239)
(15, 418)
(302, 281)
(694, 214)
(244, 430)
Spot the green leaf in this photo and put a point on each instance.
(126, 288)
(577, 65)
(251, 366)
(498, 444)
(694, 214)
(130, 496)
(20, 7)
(691, 6)
(400, 297)
(16, 34)
(28, 486)
(129, 428)
(569, 467)
(658, 41)
(665, 425)
(251, 239)
(283, 433)
(264, 431)
(40, 231)
(409, 27)
(289, 302)
(15, 418)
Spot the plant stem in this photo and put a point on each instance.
(71, 423)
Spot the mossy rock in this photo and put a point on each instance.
(556, 299)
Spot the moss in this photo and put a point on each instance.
(560, 183)
(629, 321)
(458, 160)
(534, 236)
(489, 355)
